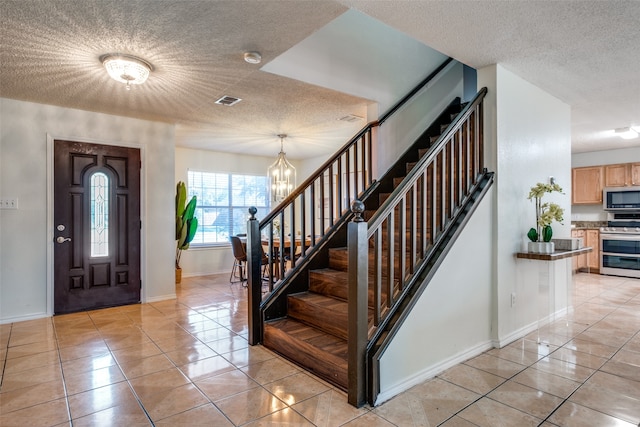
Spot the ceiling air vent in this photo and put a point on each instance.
(351, 118)
(228, 101)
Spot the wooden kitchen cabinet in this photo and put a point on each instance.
(635, 173)
(622, 175)
(586, 185)
(591, 261)
(593, 258)
(580, 261)
(616, 175)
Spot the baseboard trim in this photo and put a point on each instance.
(160, 298)
(527, 329)
(15, 319)
(433, 370)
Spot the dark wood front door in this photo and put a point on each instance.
(96, 226)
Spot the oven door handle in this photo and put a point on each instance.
(625, 237)
(619, 255)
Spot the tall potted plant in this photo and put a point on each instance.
(186, 224)
(546, 213)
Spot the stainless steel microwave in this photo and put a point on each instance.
(621, 199)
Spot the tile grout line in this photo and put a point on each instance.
(519, 372)
(595, 370)
(64, 383)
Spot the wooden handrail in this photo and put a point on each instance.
(415, 90)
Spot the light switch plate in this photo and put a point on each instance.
(9, 203)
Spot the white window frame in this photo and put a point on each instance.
(208, 202)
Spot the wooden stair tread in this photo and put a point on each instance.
(313, 336)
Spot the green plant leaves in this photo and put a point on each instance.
(186, 222)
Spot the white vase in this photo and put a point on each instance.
(548, 247)
(541, 247)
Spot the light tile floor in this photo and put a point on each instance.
(187, 362)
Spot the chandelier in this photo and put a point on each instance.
(126, 68)
(282, 175)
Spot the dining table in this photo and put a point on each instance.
(274, 245)
(287, 242)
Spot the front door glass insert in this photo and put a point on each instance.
(99, 215)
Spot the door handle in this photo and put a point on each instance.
(61, 239)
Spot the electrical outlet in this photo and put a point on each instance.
(9, 203)
(513, 299)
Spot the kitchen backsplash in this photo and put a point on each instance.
(588, 213)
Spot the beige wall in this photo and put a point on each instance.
(26, 235)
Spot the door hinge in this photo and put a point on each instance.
(140, 225)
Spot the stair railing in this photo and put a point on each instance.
(289, 232)
(405, 229)
(303, 220)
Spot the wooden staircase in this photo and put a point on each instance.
(313, 334)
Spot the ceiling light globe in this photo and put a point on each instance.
(126, 68)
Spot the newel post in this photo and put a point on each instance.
(358, 301)
(254, 277)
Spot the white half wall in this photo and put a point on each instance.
(528, 140)
(26, 241)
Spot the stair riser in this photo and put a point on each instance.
(331, 286)
(330, 321)
(323, 364)
(340, 261)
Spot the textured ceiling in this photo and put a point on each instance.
(586, 53)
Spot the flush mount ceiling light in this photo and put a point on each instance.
(252, 57)
(126, 69)
(626, 133)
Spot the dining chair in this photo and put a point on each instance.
(240, 258)
(291, 253)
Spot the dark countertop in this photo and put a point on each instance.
(554, 256)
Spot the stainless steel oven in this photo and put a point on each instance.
(620, 246)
